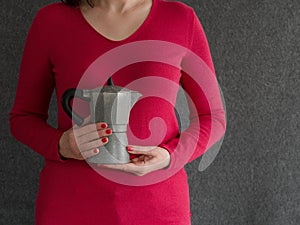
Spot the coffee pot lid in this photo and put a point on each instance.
(111, 88)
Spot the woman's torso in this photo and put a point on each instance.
(71, 192)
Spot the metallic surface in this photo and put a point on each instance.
(112, 104)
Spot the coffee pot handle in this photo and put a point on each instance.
(66, 104)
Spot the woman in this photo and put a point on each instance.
(63, 41)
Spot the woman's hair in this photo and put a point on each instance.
(77, 2)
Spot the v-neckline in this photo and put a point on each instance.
(128, 38)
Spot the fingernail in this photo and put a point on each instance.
(129, 148)
(104, 140)
(103, 125)
(96, 150)
(109, 131)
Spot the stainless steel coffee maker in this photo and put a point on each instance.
(111, 104)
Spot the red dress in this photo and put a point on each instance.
(60, 48)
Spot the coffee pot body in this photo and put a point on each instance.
(110, 104)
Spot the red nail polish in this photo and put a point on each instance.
(104, 140)
(103, 125)
(129, 148)
(108, 131)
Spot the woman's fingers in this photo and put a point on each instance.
(94, 135)
(141, 148)
(90, 153)
(90, 128)
(140, 160)
(146, 160)
(151, 158)
(93, 144)
(144, 150)
(82, 142)
(91, 136)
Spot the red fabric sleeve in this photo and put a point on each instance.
(195, 138)
(28, 117)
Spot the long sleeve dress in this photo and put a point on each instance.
(64, 51)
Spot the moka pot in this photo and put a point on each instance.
(111, 104)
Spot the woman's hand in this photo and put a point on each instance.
(151, 158)
(83, 142)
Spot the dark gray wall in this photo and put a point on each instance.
(255, 178)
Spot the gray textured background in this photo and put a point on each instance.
(255, 179)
